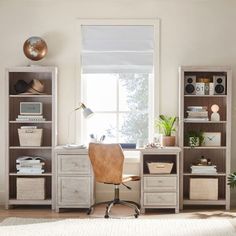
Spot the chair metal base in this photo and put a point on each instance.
(116, 201)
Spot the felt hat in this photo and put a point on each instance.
(35, 86)
(21, 86)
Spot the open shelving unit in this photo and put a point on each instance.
(219, 155)
(13, 150)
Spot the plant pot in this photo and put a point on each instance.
(194, 141)
(168, 140)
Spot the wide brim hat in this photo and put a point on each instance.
(35, 86)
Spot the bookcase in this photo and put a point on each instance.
(203, 87)
(48, 76)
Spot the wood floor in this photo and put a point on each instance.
(117, 212)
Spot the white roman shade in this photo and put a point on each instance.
(117, 49)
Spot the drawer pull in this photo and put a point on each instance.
(160, 181)
(75, 163)
(76, 191)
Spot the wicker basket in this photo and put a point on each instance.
(30, 188)
(30, 137)
(204, 188)
(159, 167)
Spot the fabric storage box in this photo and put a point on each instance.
(204, 188)
(30, 188)
(30, 137)
(159, 167)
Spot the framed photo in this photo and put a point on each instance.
(211, 139)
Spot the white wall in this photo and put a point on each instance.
(193, 32)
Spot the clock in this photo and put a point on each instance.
(211, 139)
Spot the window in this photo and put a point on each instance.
(118, 81)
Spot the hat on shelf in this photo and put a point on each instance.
(35, 86)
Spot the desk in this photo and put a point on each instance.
(74, 179)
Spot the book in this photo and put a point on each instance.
(28, 127)
(29, 116)
(30, 119)
(29, 159)
(29, 171)
(30, 165)
(197, 114)
(197, 119)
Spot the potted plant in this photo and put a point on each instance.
(194, 138)
(232, 180)
(166, 125)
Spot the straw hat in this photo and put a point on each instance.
(35, 87)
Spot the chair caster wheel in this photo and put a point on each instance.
(89, 211)
(106, 216)
(136, 215)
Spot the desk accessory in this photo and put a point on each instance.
(211, 139)
(31, 108)
(215, 116)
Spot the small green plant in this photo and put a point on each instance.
(232, 180)
(195, 138)
(166, 124)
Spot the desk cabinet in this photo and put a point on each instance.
(160, 190)
(74, 179)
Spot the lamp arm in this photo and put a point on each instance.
(81, 106)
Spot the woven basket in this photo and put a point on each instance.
(160, 167)
(30, 188)
(30, 137)
(203, 189)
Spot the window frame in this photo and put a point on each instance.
(154, 85)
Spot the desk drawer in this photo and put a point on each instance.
(152, 183)
(74, 191)
(161, 199)
(74, 164)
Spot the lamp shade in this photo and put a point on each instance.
(87, 112)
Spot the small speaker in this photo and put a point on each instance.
(219, 84)
(190, 84)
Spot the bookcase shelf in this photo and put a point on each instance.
(43, 174)
(48, 75)
(219, 155)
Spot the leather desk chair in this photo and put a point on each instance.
(107, 162)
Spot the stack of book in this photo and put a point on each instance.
(200, 169)
(30, 118)
(197, 113)
(29, 165)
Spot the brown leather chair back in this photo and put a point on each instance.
(107, 162)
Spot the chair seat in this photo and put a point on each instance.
(127, 178)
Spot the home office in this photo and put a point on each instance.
(128, 71)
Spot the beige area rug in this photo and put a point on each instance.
(116, 227)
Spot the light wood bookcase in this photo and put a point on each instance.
(219, 155)
(13, 149)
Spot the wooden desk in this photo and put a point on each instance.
(74, 181)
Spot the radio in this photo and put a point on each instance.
(190, 84)
(219, 84)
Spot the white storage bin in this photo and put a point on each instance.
(30, 137)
